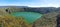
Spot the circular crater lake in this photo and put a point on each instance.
(30, 17)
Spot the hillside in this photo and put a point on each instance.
(42, 10)
(47, 20)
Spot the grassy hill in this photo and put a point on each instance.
(47, 20)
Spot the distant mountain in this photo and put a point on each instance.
(42, 10)
(14, 6)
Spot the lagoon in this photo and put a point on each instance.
(30, 17)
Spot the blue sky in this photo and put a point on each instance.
(31, 3)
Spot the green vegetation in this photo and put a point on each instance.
(47, 20)
(11, 21)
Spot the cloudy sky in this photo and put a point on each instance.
(31, 3)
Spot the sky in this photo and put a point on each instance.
(31, 3)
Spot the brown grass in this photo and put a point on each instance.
(11, 21)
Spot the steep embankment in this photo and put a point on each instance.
(3, 11)
(48, 20)
(6, 20)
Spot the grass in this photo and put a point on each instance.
(11, 21)
(47, 20)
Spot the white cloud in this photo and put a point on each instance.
(42, 3)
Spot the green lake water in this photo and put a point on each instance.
(30, 17)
